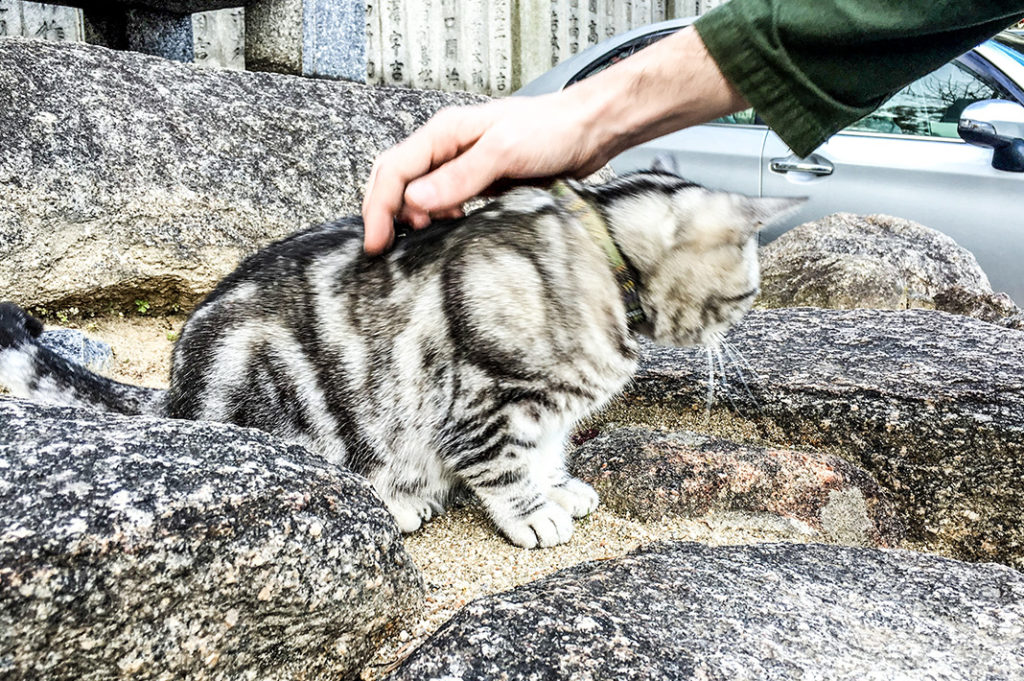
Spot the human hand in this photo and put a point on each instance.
(460, 152)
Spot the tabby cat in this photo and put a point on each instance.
(465, 355)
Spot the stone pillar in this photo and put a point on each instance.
(485, 46)
(168, 29)
(273, 36)
(324, 38)
(11, 23)
(691, 8)
(683, 8)
(493, 47)
(40, 21)
(164, 34)
(219, 38)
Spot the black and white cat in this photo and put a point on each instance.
(463, 356)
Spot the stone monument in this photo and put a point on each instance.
(207, 32)
(489, 47)
(43, 22)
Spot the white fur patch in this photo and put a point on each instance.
(526, 200)
(17, 369)
(230, 363)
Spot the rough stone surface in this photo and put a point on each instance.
(931, 404)
(334, 39)
(846, 261)
(75, 346)
(149, 548)
(1015, 321)
(997, 308)
(139, 178)
(650, 474)
(163, 34)
(678, 611)
(274, 36)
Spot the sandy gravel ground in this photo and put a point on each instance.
(462, 558)
(142, 346)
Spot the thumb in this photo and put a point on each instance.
(453, 183)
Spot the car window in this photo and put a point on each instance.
(745, 117)
(931, 106)
(619, 54)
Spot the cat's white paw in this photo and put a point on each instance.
(411, 512)
(548, 526)
(575, 496)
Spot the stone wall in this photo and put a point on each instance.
(216, 38)
(488, 47)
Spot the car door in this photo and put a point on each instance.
(725, 154)
(907, 160)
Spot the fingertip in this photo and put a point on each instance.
(420, 220)
(410, 215)
(377, 237)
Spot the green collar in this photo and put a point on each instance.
(595, 225)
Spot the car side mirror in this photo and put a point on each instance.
(999, 124)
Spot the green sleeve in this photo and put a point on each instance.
(812, 67)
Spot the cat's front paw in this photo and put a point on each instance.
(548, 526)
(411, 512)
(575, 496)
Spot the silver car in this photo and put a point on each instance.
(946, 151)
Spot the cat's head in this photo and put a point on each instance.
(694, 249)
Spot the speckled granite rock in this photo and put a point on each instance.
(997, 308)
(127, 177)
(1014, 321)
(650, 474)
(931, 404)
(75, 346)
(679, 611)
(846, 261)
(149, 548)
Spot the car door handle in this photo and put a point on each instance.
(786, 165)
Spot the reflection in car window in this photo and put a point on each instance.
(745, 117)
(931, 106)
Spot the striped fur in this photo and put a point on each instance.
(462, 357)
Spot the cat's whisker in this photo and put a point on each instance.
(738, 355)
(736, 359)
(711, 381)
(725, 379)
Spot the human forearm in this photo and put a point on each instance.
(665, 87)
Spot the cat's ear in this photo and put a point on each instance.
(766, 210)
(33, 326)
(663, 163)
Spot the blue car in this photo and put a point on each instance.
(946, 151)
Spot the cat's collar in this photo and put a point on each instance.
(625, 274)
